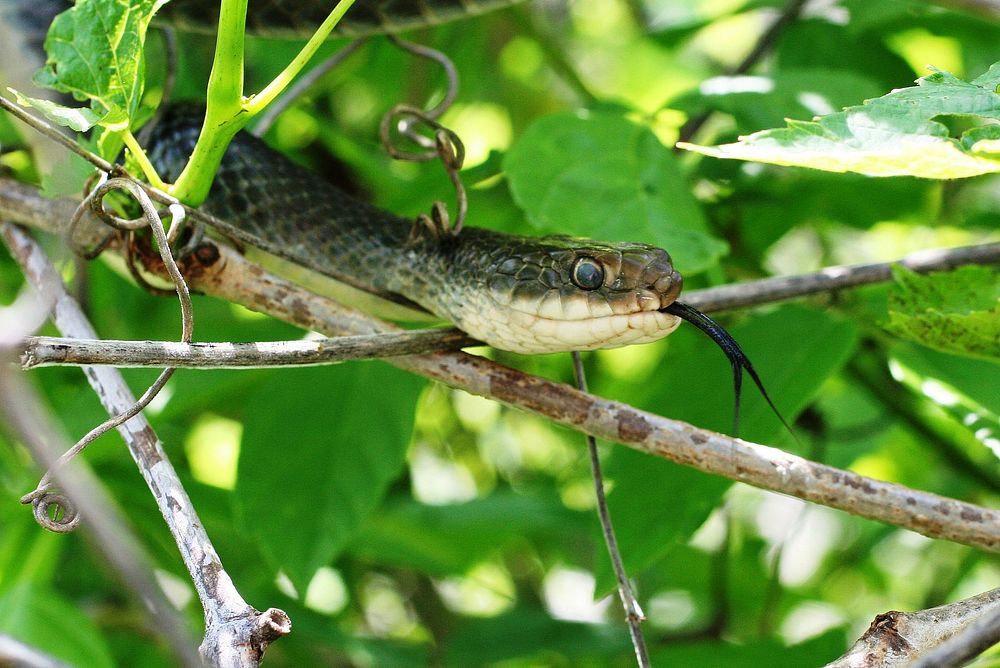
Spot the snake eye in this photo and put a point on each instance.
(587, 273)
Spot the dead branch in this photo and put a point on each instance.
(236, 634)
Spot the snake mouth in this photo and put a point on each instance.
(531, 333)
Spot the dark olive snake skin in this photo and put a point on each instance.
(287, 18)
(275, 18)
(515, 293)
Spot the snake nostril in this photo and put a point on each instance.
(669, 287)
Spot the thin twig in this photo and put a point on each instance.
(444, 144)
(232, 277)
(235, 633)
(633, 613)
(450, 73)
(763, 45)
(40, 351)
(830, 279)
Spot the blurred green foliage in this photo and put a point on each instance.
(401, 523)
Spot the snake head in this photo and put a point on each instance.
(560, 293)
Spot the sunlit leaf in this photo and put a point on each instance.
(95, 53)
(898, 134)
(79, 119)
(758, 101)
(957, 312)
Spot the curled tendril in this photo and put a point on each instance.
(445, 146)
(442, 144)
(44, 500)
(435, 142)
(74, 223)
(44, 497)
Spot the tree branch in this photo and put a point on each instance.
(24, 412)
(986, 8)
(23, 204)
(32, 423)
(230, 276)
(232, 626)
(39, 351)
(981, 633)
(768, 290)
(928, 638)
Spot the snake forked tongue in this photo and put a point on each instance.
(737, 358)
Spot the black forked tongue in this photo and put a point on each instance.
(737, 358)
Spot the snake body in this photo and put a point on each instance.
(523, 294)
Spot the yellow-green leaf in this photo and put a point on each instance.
(899, 134)
(94, 52)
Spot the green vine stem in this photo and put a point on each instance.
(227, 110)
(143, 161)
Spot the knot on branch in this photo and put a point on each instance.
(242, 639)
(268, 627)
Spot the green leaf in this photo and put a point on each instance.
(898, 134)
(320, 447)
(449, 539)
(528, 633)
(79, 119)
(957, 311)
(44, 620)
(970, 377)
(95, 53)
(600, 175)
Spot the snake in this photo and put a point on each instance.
(524, 294)
(518, 293)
